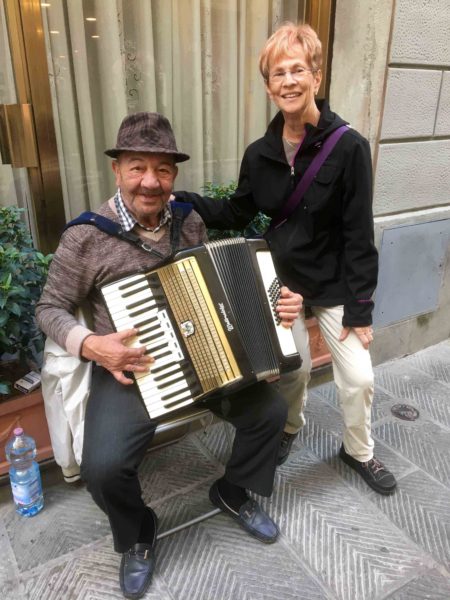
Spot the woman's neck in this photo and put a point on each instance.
(294, 126)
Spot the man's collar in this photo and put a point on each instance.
(128, 221)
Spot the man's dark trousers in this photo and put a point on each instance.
(118, 431)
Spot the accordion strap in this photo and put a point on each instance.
(180, 211)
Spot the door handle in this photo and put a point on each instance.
(17, 140)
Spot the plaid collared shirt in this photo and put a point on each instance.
(127, 220)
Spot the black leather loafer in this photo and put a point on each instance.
(137, 566)
(250, 516)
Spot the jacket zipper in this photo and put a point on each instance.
(292, 177)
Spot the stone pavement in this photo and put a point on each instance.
(339, 539)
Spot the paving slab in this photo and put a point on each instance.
(339, 539)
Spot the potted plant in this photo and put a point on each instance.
(23, 271)
(254, 229)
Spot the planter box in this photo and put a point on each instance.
(26, 411)
(320, 354)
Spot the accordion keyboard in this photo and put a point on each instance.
(180, 328)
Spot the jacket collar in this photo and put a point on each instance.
(273, 139)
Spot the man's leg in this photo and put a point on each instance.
(117, 433)
(293, 387)
(258, 413)
(353, 375)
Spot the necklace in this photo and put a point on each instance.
(290, 143)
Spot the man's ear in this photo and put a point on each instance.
(116, 170)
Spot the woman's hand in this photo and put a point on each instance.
(111, 352)
(365, 334)
(289, 306)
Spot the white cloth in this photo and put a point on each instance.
(66, 382)
(353, 376)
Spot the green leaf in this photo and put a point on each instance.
(15, 309)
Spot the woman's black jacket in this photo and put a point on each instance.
(325, 250)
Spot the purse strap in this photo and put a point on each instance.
(297, 195)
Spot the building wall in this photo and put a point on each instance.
(394, 59)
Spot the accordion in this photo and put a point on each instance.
(209, 320)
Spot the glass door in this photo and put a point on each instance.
(29, 173)
(14, 187)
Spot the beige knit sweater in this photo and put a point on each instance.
(85, 260)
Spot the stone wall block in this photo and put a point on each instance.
(443, 115)
(421, 32)
(411, 101)
(412, 176)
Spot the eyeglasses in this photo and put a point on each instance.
(297, 74)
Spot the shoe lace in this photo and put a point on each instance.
(285, 439)
(375, 466)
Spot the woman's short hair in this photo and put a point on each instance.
(283, 41)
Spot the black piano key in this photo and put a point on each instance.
(165, 384)
(124, 286)
(136, 313)
(161, 368)
(150, 329)
(172, 394)
(136, 291)
(149, 338)
(185, 369)
(160, 347)
(146, 322)
(163, 355)
(195, 391)
(156, 299)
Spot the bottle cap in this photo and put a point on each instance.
(18, 431)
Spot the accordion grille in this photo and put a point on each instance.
(191, 303)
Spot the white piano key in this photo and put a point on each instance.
(131, 282)
(160, 373)
(120, 313)
(154, 402)
(160, 410)
(149, 383)
(118, 301)
(127, 322)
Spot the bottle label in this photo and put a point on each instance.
(26, 494)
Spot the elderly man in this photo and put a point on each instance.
(118, 429)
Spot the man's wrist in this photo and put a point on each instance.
(75, 339)
(87, 347)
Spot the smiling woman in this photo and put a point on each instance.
(313, 176)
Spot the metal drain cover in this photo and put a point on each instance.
(405, 412)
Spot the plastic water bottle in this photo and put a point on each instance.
(24, 474)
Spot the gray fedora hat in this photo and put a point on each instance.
(146, 132)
